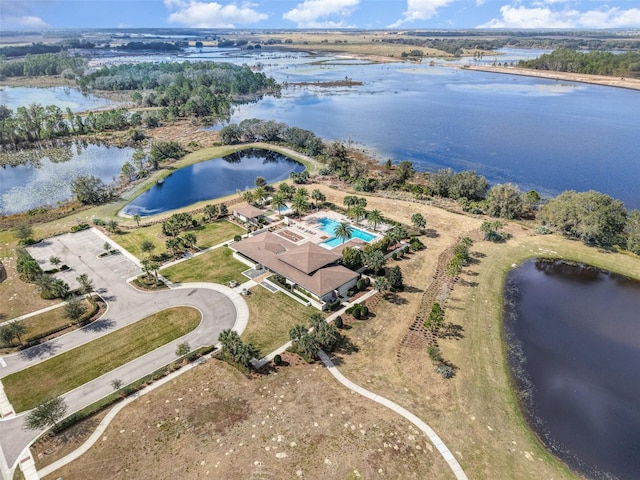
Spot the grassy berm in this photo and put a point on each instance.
(298, 422)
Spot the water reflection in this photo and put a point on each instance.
(573, 339)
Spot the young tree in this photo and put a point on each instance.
(382, 285)
(116, 384)
(137, 218)
(24, 232)
(47, 414)
(74, 308)
(395, 279)
(182, 349)
(418, 221)
(12, 330)
(86, 284)
(147, 246)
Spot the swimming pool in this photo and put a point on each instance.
(329, 226)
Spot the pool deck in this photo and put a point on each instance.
(308, 229)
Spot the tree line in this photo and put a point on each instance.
(594, 63)
(43, 64)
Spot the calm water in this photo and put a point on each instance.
(573, 336)
(212, 179)
(63, 97)
(45, 179)
(541, 134)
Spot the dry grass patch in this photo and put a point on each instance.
(298, 422)
(271, 316)
(216, 266)
(57, 375)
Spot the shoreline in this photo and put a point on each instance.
(602, 80)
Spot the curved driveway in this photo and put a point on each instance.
(221, 308)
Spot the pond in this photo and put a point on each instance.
(573, 341)
(211, 179)
(42, 177)
(63, 97)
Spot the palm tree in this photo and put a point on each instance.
(260, 194)
(301, 192)
(343, 231)
(59, 288)
(210, 212)
(299, 205)
(189, 239)
(147, 246)
(55, 261)
(297, 332)
(247, 196)
(278, 202)
(382, 285)
(137, 218)
(356, 212)
(318, 197)
(86, 284)
(375, 218)
(230, 341)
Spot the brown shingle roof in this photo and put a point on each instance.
(308, 257)
(270, 249)
(248, 211)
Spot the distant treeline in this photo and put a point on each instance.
(43, 64)
(595, 63)
(456, 46)
(40, 48)
(154, 46)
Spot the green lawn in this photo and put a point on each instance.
(28, 388)
(47, 321)
(271, 315)
(207, 235)
(216, 266)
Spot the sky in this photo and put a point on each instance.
(289, 14)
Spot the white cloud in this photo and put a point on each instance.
(198, 14)
(316, 13)
(544, 17)
(24, 21)
(420, 10)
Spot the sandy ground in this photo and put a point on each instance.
(619, 82)
(297, 422)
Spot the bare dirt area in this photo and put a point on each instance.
(296, 422)
(621, 82)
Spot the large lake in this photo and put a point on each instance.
(573, 337)
(212, 179)
(542, 134)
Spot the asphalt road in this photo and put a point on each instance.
(221, 308)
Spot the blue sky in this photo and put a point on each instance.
(373, 14)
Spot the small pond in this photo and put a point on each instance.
(573, 342)
(214, 178)
(63, 97)
(42, 177)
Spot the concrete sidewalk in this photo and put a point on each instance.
(426, 429)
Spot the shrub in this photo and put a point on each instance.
(99, 222)
(435, 354)
(277, 360)
(406, 248)
(364, 311)
(79, 227)
(356, 312)
(359, 284)
(237, 238)
(444, 370)
(394, 255)
(543, 230)
(338, 322)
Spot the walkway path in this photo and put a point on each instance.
(435, 439)
(221, 307)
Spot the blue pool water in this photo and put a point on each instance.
(329, 226)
